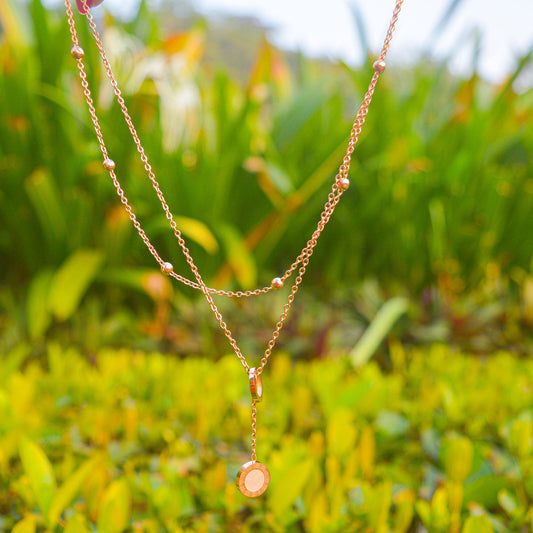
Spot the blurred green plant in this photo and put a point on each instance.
(131, 440)
(440, 207)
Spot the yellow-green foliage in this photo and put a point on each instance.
(131, 440)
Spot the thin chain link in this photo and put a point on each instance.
(303, 258)
(129, 209)
(343, 171)
(254, 431)
(155, 184)
(390, 31)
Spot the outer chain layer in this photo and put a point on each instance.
(340, 184)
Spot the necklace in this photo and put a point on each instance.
(253, 477)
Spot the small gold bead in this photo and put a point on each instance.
(77, 52)
(109, 164)
(344, 183)
(167, 268)
(379, 65)
(277, 283)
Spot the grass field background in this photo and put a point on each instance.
(399, 395)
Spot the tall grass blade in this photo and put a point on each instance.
(38, 315)
(443, 22)
(384, 320)
(45, 198)
(362, 33)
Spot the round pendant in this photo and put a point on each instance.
(253, 479)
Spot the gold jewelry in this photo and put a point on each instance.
(253, 477)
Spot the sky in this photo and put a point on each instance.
(326, 28)
(505, 32)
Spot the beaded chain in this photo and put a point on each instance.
(253, 477)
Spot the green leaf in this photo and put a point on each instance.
(392, 424)
(191, 228)
(26, 525)
(198, 232)
(39, 471)
(484, 490)
(458, 453)
(423, 509)
(71, 281)
(37, 309)
(239, 257)
(367, 451)
(132, 278)
(509, 503)
(404, 512)
(430, 440)
(69, 489)
(379, 506)
(478, 524)
(288, 485)
(440, 513)
(385, 318)
(76, 524)
(115, 508)
(279, 178)
(521, 436)
(340, 432)
(13, 360)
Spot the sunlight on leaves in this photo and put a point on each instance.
(40, 473)
(115, 508)
(71, 281)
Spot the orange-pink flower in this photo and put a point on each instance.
(90, 3)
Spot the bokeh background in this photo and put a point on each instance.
(399, 396)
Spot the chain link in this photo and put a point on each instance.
(302, 260)
(254, 431)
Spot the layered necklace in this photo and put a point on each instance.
(253, 477)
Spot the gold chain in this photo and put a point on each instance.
(253, 477)
(253, 456)
(340, 184)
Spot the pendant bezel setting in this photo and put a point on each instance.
(253, 479)
(256, 384)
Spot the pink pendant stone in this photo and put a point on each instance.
(90, 3)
